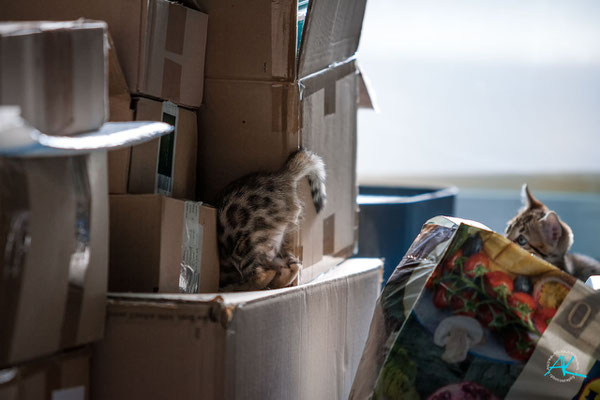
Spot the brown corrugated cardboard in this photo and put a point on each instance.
(165, 165)
(257, 40)
(273, 119)
(56, 72)
(118, 170)
(118, 93)
(53, 274)
(160, 44)
(302, 342)
(65, 376)
(160, 244)
(331, 34)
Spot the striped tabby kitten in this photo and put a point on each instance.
(258, 214)
(541, 232)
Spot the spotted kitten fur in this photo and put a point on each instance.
(541, 232)
(258, 214)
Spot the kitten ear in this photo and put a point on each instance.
(528, 200)
(551, 228)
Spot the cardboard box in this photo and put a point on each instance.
(65, 376)
(160, 44)
(119, 98)
(160, 244)
(302, 342)
(257, 40)
(56, 72)
(53, 273)
(165, 165)
(273, 119)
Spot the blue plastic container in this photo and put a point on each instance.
(391, 218)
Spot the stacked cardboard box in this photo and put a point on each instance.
(156, 64)
(161, 239)
(54, 197)
(264, 93)
(272, 344)
(53, 228)
(54, 204)
(270, 88)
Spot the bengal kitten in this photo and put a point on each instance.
(541, 232)
(258, 215)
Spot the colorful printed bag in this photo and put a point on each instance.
(470, 315)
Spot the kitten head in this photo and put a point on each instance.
(539, 230)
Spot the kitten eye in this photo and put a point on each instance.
(521, 241)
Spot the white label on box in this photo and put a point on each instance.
(191, 248)
(74, 393)
(166, 151)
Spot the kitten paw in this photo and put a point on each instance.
(263, 277)
(285, 276)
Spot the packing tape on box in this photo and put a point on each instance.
(320, 80)
(176, 28)
(191, 249)
(80, 259)
(279, 96)
(15, 238)
(163, 69)
(329, 235)
(57, 50)
(282, 111)
(280, 17)
(175, 37)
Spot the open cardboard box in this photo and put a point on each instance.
(272, 102)
(302, 342)
(258, 40)
(161, 44)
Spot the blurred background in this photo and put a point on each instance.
(486, 96)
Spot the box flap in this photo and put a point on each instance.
(328, 121)
(119, 98)
(331, 33)
(18, 139)
(366, 93)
